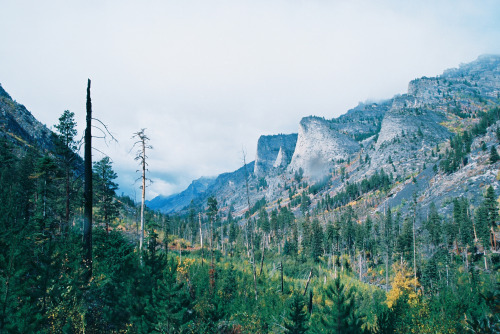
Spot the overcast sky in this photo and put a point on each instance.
(207, 78)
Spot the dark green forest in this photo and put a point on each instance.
(206, 271)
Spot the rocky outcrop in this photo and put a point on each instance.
(398, 135)
(274, 152)
(319, 146)
(19, 126)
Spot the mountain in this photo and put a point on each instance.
(19, 126)
(173, 203)
(406, 138)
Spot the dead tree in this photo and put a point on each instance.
(141, 157)
(212, 211)
(87, 193)
(252, 230)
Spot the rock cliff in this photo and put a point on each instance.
(274, 152)
(319, 146)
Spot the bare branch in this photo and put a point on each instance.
(107, 130)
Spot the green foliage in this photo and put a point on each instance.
(378, 181)
(297, 316)
(104, 194)
(494, 157)
(341, 317)
(299, 174)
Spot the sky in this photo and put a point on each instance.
(206, 78)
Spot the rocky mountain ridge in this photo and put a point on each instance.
(400, 136)
(20, 127)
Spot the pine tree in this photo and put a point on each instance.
(433, 225)
(340, 317)
(492, 207)
(494, 157)
(297, 316)
(66, 147)
(317, 240)
(170, 304)
(105, 191)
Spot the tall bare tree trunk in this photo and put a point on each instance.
(414, 253)
(143, 197)
(201, 239)
(308, 281)
(252, 231)
(141, 156)
(87, 193)
(262, 257)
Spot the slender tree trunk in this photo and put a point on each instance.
(307, 283)
(143, 196)
(281, 267)
(360, 267)
(387, 272)
(485, 260)
(66, 218)
(251, 241)
(414, 254)
(262, 257)
(201, 239)
(87, 194)
(212, 264)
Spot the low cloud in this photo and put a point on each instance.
(207, 78)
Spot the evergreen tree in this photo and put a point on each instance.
(297, 316)
(170, 304)
(105, 188)
(305, 202)
(492, 207)
(340, 317)
(317, 240)
(433, 225)
(494, 157)
(66, 147)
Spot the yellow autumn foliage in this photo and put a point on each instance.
(403, 283)
(183, 267)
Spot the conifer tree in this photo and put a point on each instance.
(494, 157)
(340, 317)
(297, 316)
(105, 191)
(493, 216)
(65, 148)
(433, 225)
(317, 240)
(170, 304)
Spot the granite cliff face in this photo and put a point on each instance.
(274, 152)
(19, 126)
(319, 146)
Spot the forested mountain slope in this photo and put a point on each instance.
(392, 227)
